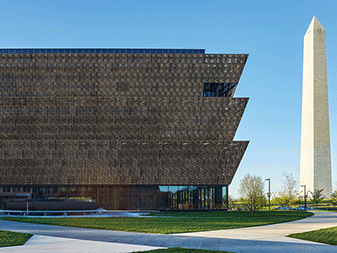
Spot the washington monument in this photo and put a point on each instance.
(315, 136)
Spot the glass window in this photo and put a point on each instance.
(218, 89)
(164, 188)
(224, 197)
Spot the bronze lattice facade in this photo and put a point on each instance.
(120, 125)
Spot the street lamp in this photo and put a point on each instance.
(268, 194)
(305, 196)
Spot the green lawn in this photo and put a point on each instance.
(326, 235)
(8, 238)
(181, 250)
(169, 223)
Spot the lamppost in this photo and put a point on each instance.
(268, 194)
(305, 196)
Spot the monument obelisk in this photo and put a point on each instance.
(315, 135)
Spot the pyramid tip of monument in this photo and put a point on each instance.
(315, 24)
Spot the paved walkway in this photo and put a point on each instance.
(276, 231)
(47, 244)
(256, 239)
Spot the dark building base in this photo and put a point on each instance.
(134, 197)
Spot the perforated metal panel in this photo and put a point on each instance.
(118, 118)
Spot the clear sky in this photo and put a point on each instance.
(271, 32)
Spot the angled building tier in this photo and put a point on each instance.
(128, 128)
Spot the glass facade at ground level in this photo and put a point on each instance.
(134, 197)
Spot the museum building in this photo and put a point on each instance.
(127, 128)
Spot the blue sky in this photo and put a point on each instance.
(271, 32)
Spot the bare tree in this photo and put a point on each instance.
(252, 190)
(288, 189)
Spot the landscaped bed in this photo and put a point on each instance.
(168, 223)
(326, 235)
(8, 238)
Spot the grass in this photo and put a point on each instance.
(181, 250)
(169, 223)
(324, 210)
(326, 235)
(8, 238)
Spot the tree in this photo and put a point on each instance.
(262, 201)
(288, 189)
(334, 198)
(231, 202)
(252, 190)
(277, 201)
(317, 196)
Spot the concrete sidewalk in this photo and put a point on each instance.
(48, 244)
(273, 232)
(256, 239)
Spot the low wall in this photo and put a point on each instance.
(43, 205)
